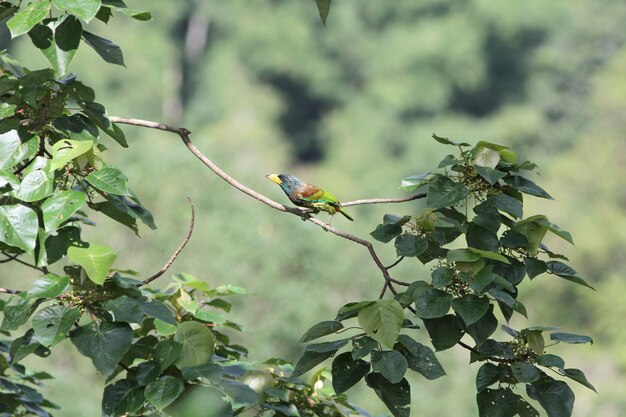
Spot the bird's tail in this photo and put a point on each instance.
(346, 215)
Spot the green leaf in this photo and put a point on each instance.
(66, 150)
(507, 299)
(483, 328)
(7, 110)
(526, 186)
(125, 309)
(410, 245)
(578, 376)
(551, 361)
(122, 397)
(504, 151)
(48, 286)
(525, 372)
(323, 7)
(309, 360)
(385, 232)
(414, 182)
(84, 9)
(211, 371)
(382, 321)
(566, 272)
(96, 260)
(167, 352)
(534, 266)
(352, 309)
(470, 307)
(104, 343)
(18, 227)
(321, 329)
(446, 141)
(197, 341)
(507, 204)
(17, 311)
(501, 402)
(163, 391)
(163, 328)
(444, 331)
(462, 255)
(26, 19)
(34, 187)
(327, 346)
(347, 371)
(58, 41)
(52, 324)
(482, 238)
(536, 341)
(554, 396)
(158, 310)
(486, 158)
(390, 363)
(109, 180)
(420, 358)
(563, 234)
(26, 345)
(397, 397)
(442, 276)
(59, 207)
(443, 192)
(135, 14)
(490, 175)
(487, 375)
(490, 255)
(363, 346)
(430, 302)
(570, 338)
(107, 50)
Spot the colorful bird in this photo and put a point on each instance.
(310, 196)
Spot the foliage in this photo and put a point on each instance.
(169, 350)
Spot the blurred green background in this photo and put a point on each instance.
(265, 88)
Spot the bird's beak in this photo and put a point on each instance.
(274, 178)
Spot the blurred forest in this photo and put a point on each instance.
(266, 88)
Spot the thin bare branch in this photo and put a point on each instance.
(9, 291)
(395, 263)
(178, 250)
(18, 260)
(383, 200)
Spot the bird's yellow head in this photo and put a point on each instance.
(275, 178)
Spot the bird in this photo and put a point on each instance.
(307, 195)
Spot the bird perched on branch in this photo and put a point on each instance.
(310, 196)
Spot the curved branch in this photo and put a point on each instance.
(383, 200)
(184, 135)
(9, 291)
(178, 250)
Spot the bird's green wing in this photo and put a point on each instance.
(317, 195)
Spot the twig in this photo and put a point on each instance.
(16, 259)
(184, 135)
(9, 291)
(395, 263)
(476, 351)
(178, 250)
(383, 200)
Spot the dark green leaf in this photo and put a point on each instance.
(385, 232)
(490, 255)
(462, 255)
(351, 310)
(323, 7)
(96, 260)
(309, 360)
(444, 331)
(389, 363)
(158, 310)
(514, 240)
(525, 372)
(125, 309)
(442, 276)
(347, 371)
(554, 396)
(26, 19)
(410, 245)
(163, 391)
(489, 174)
(500, 402)
(481, 238)
(578, 376)
(508, 204)
(52, 324)
(526, 186)
(564, 271)
(210, 371)
(550, 361)
(327, 346)
(109, 180)
(483, 328)
(470, 307)
(420, 358)
(167, 352)
(382, 321)
(431, 302)
(25, 345)
(321, 329)
(17, 311)
(197, 341)
(240, 393)
(534, 266)
(59, 207)
(48, 286)
(109, 51)
(507, 299)
(104, 343)
(58, 41)
(122, 397)
(570, 338)
(18, 227)
(446, 141)
(487, 375)
(147, 372)
(442, 192)
(363, 346)
(397, 397)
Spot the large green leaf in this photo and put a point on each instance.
(570, 338)
(52, 324)
(443, 192)
(122, 397)
(410, 245)
(431, 302)
(109, 51)
(526, 186)
(389, 363)
(125, 309)
(27, 18)
(490, 175)
(104, 343)
(414, 182)
(488, 374)
(483, 328)
(444, 331)
(84, 9)
(309, 360)
(110, 180)
(555, 397)
(34, 187)
(164, 391)
(382, 321)
(167, 352)
(525, 372)
(397, 397)
(197, 341)
(501, 402)
(347, 371)
(18, 227)
(507, 204)
(507, 299)
(470, 307)
(486, 158)
(96, 260)
(321, 329)
(420, 358)
(16, 311)
(59, 207)
(49, 286)
(66, 150)
(58, 41)
(566, 272)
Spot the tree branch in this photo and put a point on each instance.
(184, 135)
(177, 251)
(9, 291)
(16, 259)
